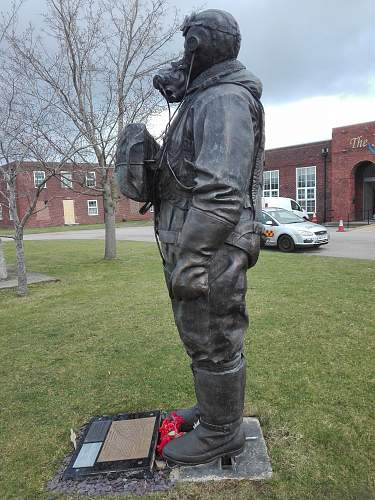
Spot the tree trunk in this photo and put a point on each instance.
(21, 266)
(109, 202)
(3, 264)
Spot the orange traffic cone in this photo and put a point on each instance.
(341, 227)
(314, 218)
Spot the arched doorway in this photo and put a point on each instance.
(364, 177)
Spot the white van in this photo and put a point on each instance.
(287, 203)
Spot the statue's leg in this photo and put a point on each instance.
(212, 329)
(191, 414)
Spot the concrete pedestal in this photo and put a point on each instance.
(253, 463)
(32, 278)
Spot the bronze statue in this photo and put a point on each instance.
(206, 186)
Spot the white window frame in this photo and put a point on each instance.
(1, 211)
(302, 200)
(36, 172)
(66, 182)
(96, 206)
(94, 179)
(272, 192)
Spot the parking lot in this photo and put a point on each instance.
(357, 243)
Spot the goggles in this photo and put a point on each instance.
(190, 21)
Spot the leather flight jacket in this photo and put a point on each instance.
(212, 164)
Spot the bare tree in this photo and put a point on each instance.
(8, 18)
(28, 126)
(93, 67)
(3, 265)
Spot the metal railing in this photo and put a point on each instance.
(362, 217)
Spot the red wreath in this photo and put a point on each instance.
(170, 429)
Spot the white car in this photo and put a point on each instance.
(287, 231)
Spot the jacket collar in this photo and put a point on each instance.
(213, 74)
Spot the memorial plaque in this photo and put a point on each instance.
(128, 439)
(123, 443)
(87, 455)
(98, 431)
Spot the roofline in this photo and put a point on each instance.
(322, 141)
(354, 125)
(41, 164)
(300, 145)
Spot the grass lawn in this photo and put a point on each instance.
(103, 341)
(76, 227)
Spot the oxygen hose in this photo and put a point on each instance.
(156, 172)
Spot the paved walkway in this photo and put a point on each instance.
(140, 233)
(358, 243)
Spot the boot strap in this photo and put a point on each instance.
(221, 428)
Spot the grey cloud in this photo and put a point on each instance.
(299, 48)
(305, 48)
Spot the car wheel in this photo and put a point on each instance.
(285, 243)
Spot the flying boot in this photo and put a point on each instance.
(190, 415)
(220, 396)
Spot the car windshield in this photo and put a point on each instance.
(284, 216)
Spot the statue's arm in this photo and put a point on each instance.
(224, 143)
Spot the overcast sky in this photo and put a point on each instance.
(316, 59)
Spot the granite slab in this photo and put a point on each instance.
(98, 431)
(87, 455)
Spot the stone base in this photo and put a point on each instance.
(253, 463)
(11, 281)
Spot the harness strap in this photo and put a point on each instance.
(234, 239)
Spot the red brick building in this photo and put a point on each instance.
(334, 178)
(71, 197)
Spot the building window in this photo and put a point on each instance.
(91, 179)
(306, 188)
(66, 179)
(271, 183)
(39, 177)
(92, 207)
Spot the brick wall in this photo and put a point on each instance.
(287, 159)
(129, 210)
(50, 205)
(348, 157)
(350, 152)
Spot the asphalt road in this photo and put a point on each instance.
(358, 243)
